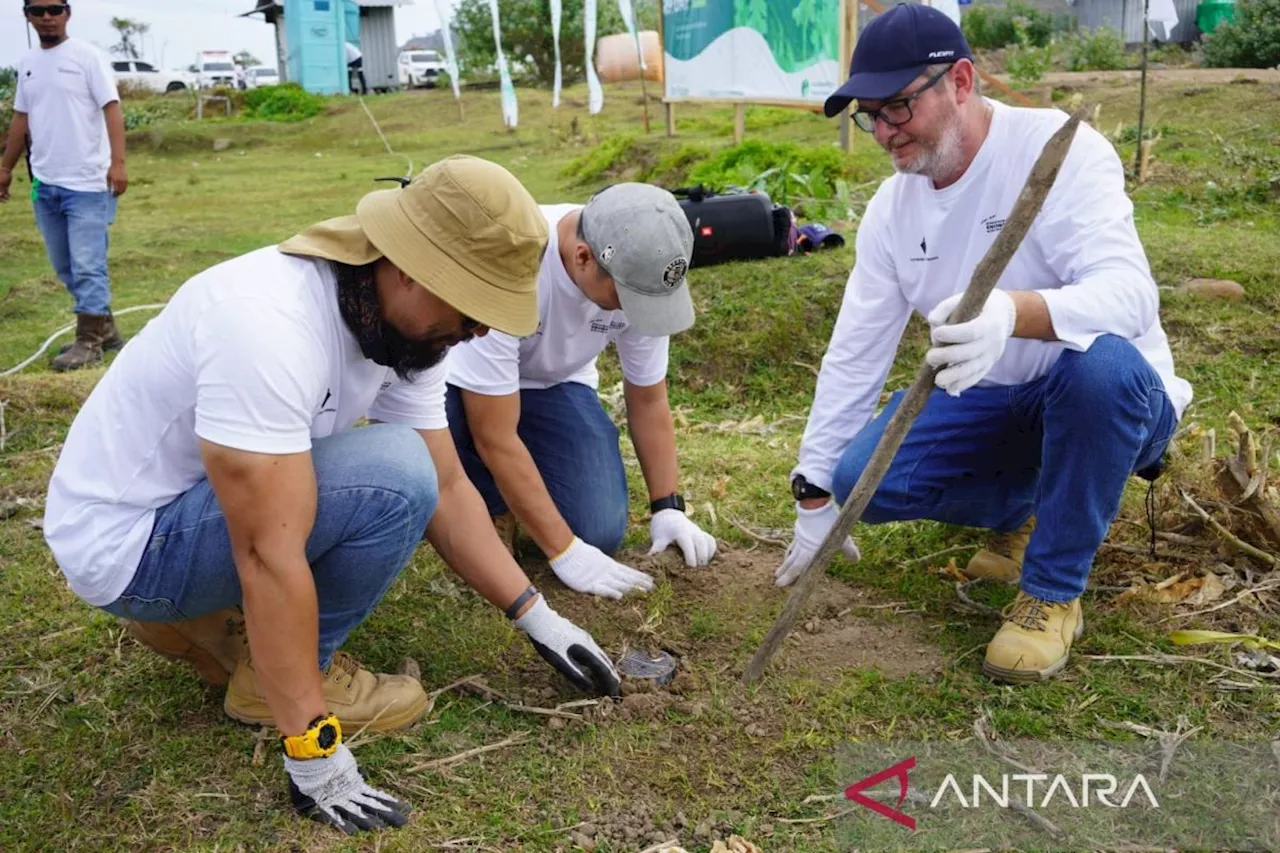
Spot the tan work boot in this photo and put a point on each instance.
(113, 341)
(506, 524)
(92, 331)
(213, 644)
(358, 697)
(1034, 641)
(1001, 560)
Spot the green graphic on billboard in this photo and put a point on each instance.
(751, 49)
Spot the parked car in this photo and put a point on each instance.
(144, 74)
(261, 75)
(215, 68)
(420, 67)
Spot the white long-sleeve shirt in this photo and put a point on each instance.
(917, 245)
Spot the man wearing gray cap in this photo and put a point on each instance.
(524, 412)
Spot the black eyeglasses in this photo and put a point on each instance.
(41, 11)
(897, 112)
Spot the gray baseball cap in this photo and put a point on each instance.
(641, 237)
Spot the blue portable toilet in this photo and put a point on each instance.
(316, 31)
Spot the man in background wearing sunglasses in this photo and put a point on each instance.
(1061, 388)
(68, 103)
(525, 413)
(216, 466)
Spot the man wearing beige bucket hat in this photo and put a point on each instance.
(215, 467)
(524, 410)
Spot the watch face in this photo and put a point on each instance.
(327, 736)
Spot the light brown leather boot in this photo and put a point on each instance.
(1001, 560)
(92, 331)
(359, 698)
(213, 644)
(1035, 640)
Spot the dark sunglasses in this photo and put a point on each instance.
(896, 112)
(41, 11)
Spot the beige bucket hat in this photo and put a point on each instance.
(464, 228)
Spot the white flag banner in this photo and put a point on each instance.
(449, 57)
(555, 38)
(1162, 17)
(595, 95)
(509, 109)
(629, 18)
(950, 8)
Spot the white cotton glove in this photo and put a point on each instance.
(812, 526)
(670, 526)
(585, 568)
(569, 649)
(968, 351)
(332, 791)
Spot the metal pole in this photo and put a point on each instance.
(1142, 98)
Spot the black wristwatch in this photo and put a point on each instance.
(673, 501)
(802, 489)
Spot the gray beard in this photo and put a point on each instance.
(940, 160)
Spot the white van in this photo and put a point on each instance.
(420, 67)
(215, 68)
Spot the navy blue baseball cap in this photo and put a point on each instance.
(895, 49)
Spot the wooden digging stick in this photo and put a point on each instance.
(984, 279)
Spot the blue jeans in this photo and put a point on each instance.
(1061, 448)
(74, 227)
(376, 491)
(574, 445)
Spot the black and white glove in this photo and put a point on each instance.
(332, 791)
(569, 649)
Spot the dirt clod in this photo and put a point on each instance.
(585, 842)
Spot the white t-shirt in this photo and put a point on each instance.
(63, 91)
(918, 245)
(572, 332)
(353, 52)
(251, 354)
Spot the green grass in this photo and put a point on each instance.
(112, 748)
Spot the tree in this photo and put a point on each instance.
(245, 59)
(129, 30)
(1251, 40)
(526, 35)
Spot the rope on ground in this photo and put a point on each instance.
(69, 328)
(408, 172)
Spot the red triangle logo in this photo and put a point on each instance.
(901, 772)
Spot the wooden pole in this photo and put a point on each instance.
(662, 59)
(644, 89)
(739, 122)
(671, 119)
(1142, 98)
(984, 279)
(848, 36)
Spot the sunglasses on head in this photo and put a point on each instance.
(41, 11)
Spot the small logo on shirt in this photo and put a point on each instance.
(328, 395)
(603, 328)
(75, 72)
(924, 252)
(992, 224)
(385, 385)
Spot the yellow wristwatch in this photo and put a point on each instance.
(321, 739)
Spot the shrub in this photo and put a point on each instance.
(8, 85)
(1250, 40)
(1100, 50)
(810, 178)
(992, 28)
(601, 159)
(285, 102)
(1025, 62)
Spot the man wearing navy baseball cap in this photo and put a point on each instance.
(1061, 388)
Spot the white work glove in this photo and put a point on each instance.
(670, 526)
(332, 791)
(968, 351)
(585, 568)
(569, 649)
(812, 526)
